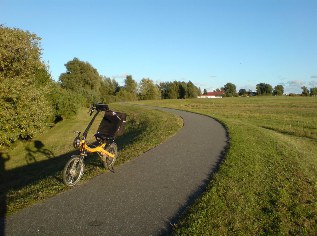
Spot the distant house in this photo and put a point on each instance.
(212, 95)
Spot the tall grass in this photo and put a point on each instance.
(267, 184)
(33, 169)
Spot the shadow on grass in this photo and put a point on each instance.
(131, 135)
(16, 179)
(20, 177)
(4, 157)
(37, 149)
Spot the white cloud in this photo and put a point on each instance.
(293, 86)
(312, 84)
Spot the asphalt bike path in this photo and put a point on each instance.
(145, 196)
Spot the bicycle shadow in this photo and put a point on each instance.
(14, 180)
(38, 169)
(17, 178)
(35, 151)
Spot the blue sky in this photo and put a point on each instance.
(207, 42)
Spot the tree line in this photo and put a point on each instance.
(82, 78)
(31, 100)
(263, 89)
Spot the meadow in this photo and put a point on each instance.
(32, 169)
(267, 183)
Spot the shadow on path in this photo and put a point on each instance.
(20, 177)
(38, 169)
(161, 180)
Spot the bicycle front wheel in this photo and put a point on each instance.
(73, 171)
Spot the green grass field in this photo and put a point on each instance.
(267, 184)
(32, 170)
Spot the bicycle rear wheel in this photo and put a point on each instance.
(108, 162)
(73, 171)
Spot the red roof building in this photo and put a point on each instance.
(213, 95)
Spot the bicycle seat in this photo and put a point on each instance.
(100, 136)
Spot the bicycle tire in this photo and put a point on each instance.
(73, 171)
(108, 162)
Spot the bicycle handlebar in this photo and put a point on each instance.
(91, 109)
(98, 107)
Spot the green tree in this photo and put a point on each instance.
(172, 92)
(130, 85)
(24, 111)
(148, 90)
(278, 90)
(230, 90)
(305, 91)
(65, 102)
(205, 92)
(108, 89)
(163, 88)
(124, 95)
(313, 91)
(192, 90)
(20, 54)
(182, 89)
(129, 91)
(179, 89)
(199, 91)
(111, 85)
(82, 78)
(169, 90)
(23, 85)
(243, 92)
(264, 89)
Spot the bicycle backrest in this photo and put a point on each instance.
(112, 124)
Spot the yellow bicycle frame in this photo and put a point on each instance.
(100, 148)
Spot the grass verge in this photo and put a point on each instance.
(267, 184)
(32, 170)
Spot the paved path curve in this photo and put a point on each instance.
(145, 195)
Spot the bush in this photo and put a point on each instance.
(65, 103)
(124, 95)
(24, 108)
(24, 111)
